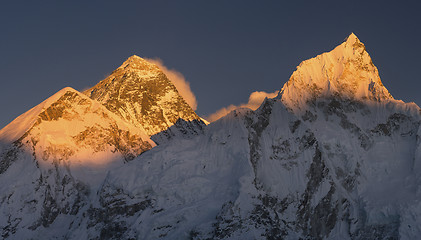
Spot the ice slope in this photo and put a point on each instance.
(140, 93)
(268, 174)
(21, 124)
(181, 129)
(180, 187)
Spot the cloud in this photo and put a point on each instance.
(255, 100)
(183, 87)
(220, 113)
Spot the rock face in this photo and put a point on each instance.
(340, 160)
(140, 93)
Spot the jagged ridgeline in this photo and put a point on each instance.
(139, 92)
(333, 156)
(71, 125)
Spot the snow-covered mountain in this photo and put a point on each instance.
(333, 156)
(140, 93)
(70, 123)
(347, 71)
(54, 155)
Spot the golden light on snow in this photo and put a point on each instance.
(255, 100)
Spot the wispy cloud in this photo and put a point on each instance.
(255, 100)
(179, 81)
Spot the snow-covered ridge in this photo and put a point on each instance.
(60, 120)
(21, 124)
(347, 71)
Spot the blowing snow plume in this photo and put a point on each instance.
(183, 87)
(255, 100)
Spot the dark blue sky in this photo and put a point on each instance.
(225, 49)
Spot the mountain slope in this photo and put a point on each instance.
(54, 155)
(269, 175)
(71, 120)
(342, 164)
(140, 93)
(340, 160)
(347, 71)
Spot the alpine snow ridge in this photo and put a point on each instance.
(140, 93)
(56, 153)
(68, 123)
(333, 156)
(347, 71)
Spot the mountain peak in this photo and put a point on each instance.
(136, 63)
(346, 72)
(352, 38)
(18, 126)
(139, 92)
(68, 89)
(71, 121)
(135, 57)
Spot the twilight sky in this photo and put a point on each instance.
(225, 49)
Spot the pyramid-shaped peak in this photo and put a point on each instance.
(135, 59)
(352, 43)
(139, 92)
(137, 63)
(352, 38)
(347, 71)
